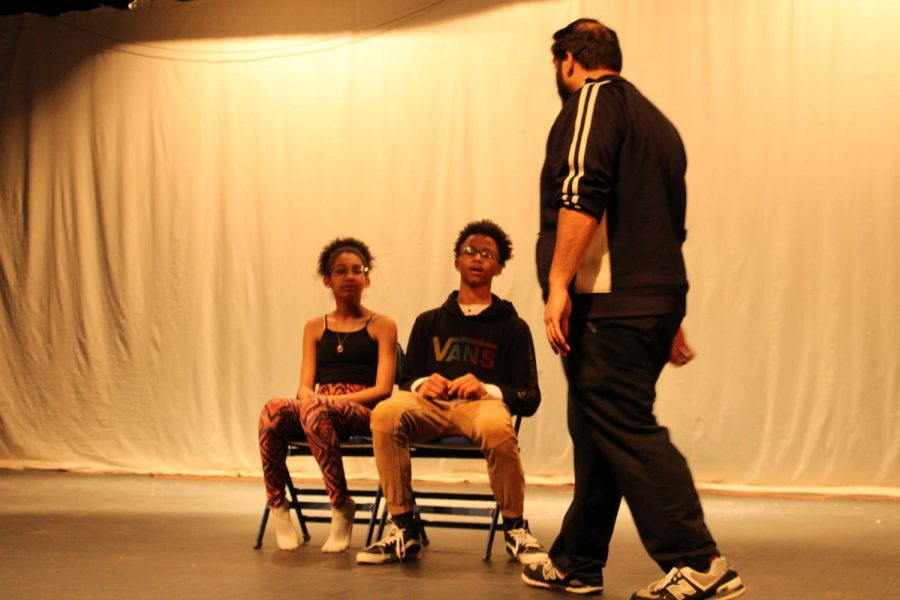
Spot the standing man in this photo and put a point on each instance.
(610, 265)
(469, 365)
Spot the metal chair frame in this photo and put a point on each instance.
(485, 505)
(454, 447)
(354, 446)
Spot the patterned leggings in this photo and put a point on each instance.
(324, 421)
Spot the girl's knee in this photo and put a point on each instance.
(311, 410)
(272, 412)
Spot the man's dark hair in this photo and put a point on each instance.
(339, 246)
(490, 229)
(592, 44)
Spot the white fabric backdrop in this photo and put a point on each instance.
(169, 174)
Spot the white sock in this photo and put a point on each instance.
(286, 533)
(341, 528)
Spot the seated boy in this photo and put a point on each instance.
(469, 365)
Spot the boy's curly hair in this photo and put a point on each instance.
(490, 229)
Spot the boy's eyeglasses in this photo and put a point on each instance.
(471, 251)
(343, 271)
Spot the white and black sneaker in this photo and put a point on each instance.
(548, 576)
(399, 544)
(523, 546)
(720, 582)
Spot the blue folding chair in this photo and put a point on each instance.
(469, 510)
(312, 499)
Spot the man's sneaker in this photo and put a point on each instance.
(398, 544)
(720, 582)
(545, 575)
(523, 546)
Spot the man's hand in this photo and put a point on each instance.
(306, 394)
(436, 387)
(681, 354)
(468, 386)
(556, 319)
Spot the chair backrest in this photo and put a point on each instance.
(400, 357)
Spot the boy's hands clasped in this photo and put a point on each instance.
(438, 387)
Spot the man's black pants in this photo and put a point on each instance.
(621, 451)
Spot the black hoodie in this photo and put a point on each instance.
(495, 346)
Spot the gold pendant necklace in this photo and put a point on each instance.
(340, 346)
(341, 340)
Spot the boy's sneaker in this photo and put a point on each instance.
(398, 544)
(523, 546)
(545, 575)
(720, 582)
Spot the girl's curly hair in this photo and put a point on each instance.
(339, 246)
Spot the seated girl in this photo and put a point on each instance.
(348, 366)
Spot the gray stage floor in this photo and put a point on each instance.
(67, 535)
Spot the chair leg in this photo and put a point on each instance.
(376, 504)
(495, 514)
(262, 527)
(295, 504)
(382, 522)
(418, 516)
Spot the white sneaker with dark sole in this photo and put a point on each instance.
(720, 582)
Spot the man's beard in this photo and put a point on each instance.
(564, 93)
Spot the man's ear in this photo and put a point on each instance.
(456, 263)
(569, 64)
(326, 281)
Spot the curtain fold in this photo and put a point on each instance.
(168, 176)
